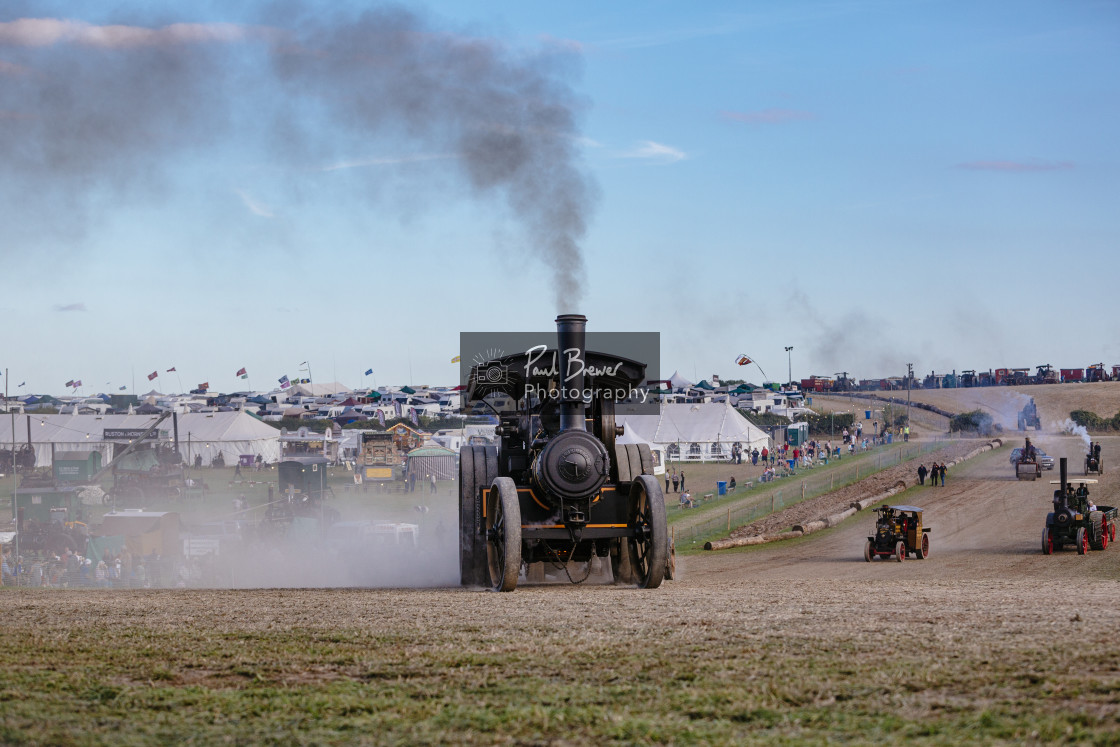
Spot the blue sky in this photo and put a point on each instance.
(873, 183)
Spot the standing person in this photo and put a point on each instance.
(922, 474)
(676, 480)
(433, 490)
(906, 434)
(933, 474)
(666, 481)
(682, 479)
(765, 455)
(754, 456)
(941, 472)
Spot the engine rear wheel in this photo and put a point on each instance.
(503, 534)
(923, 548)
(900, 551)
(868, 552)
(620, 563)
(1082, 541)
(478, 466)
(1047, 542)
(650, 545)
(1096, 530)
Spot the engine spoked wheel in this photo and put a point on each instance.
(503, 534)
(923, 548)
(1047, 542)
(1082, 541)
(649, 547)
(900, 551)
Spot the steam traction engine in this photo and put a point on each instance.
(1076, 520)
(558, 488)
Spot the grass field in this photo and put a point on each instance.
(764, 662)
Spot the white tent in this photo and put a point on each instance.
(676, 381)
(698, 432)
(203, 433)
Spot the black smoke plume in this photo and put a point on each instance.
(94, 114)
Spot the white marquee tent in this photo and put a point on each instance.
(698, 432)
(203, 433)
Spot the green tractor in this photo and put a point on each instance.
(1076, 520)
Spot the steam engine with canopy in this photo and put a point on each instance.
(557, 487)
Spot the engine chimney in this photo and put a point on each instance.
(571, 331)
(1062, 473)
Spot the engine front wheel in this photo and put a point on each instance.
(1047, 542)
(900, 551)
(649, 548)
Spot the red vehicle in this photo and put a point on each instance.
(1001, 375)
(816, 384)
(1095, 372)
(1072, 374)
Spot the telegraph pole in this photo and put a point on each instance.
(909, 378)
(789, 361)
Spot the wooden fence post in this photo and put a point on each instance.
(729, 519)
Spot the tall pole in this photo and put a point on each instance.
(12, 413)
(909, 378)
(789, 361)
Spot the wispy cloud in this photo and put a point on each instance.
(769, 116)
(70, 307)
(385, 161)
(1016, 165)
(46, 32)
(651, 151)
(255, 206)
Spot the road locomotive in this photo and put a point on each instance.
(557, 490)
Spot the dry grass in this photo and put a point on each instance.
(740, 662)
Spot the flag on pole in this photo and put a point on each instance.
(122, 388)
(244, 376)
(240, 371)
(369, 372)
(171, 370)
(152, 375)
(77, 383)
(21, 384)
(381, 417)
(397, 407)
(204, 385)
(412, 414)
(456, 359)
(70, 383)
(284, 383)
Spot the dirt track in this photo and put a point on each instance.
(986, 525)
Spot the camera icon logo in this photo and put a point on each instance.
(493, 372)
